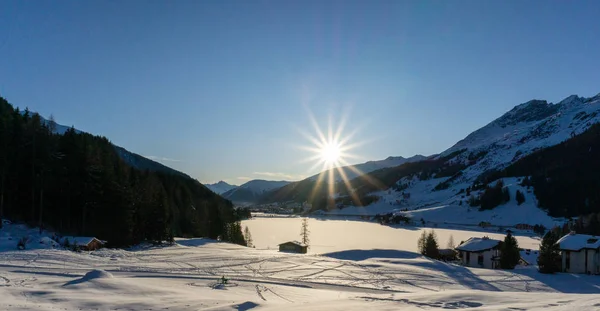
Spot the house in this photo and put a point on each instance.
(294, 247)
(84, 243)
(480, 253)
(580, 253)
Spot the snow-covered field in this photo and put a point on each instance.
(333, 235)
(186, 276)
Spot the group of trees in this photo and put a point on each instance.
(564, 177)
(494, 196)
(428, 244)
(77, 183)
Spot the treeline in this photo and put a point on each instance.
(564, 177)
(77, 183)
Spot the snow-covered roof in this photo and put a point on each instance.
(478, 244)
(576, 242)
(80, 240)
(295, 242)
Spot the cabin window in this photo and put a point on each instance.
(468, 257)
(480, 259)
(568, 260)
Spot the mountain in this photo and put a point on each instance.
(220, 187)
(353, 171)
(78, 183)
(443, 187)
(252, 190)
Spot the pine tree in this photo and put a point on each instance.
(520, 197)
(431, 246)
(451, 244)
(549, 258)
(304, 232)
(421, 242)
(248, 237)
(509, 256)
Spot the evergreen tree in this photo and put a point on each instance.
(509, 256)
(549, 258)
(304, 232)
(431, 246)
(422, 241)
(520, 197)
(248, 237)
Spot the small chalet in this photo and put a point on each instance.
(580, 253)
(294, 247)
(84, 243)
(480, 253)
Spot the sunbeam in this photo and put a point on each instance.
(331, 150)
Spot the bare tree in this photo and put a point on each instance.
(304, 232)
(451, 244)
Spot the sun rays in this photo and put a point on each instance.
(331, 151)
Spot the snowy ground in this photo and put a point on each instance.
(333, 235)
(185, 277)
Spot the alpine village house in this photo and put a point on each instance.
(580, 253)
(480, 253)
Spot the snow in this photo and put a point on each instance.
(330, 235)
(220, 187)
(576, 242)
(78, 240)
(478, 244)
(186, 276)
(444, 207)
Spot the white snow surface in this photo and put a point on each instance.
(186, 276)
(576, 242)
(478, 244)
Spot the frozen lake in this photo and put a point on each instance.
(332, 235)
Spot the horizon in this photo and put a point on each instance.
(236, 91)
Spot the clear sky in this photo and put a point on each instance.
(222, 89)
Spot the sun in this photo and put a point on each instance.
(331, 152)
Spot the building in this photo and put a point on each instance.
(580, 253)
(294, 247)
(480, 253)
(84, 243)
(448, 254)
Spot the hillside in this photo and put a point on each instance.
(77, 183)
(435, 188)
(251, 191)
(353, 171)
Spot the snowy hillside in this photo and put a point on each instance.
(220, 187)
(353, 171)
(437, 194)
(527, 127)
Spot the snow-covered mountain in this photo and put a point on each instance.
(353, 171)
(250, 191)
(527, 127)
(435, 188)
(220, 187)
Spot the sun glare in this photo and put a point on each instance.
(330, 153)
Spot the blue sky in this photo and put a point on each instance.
(221, 89)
